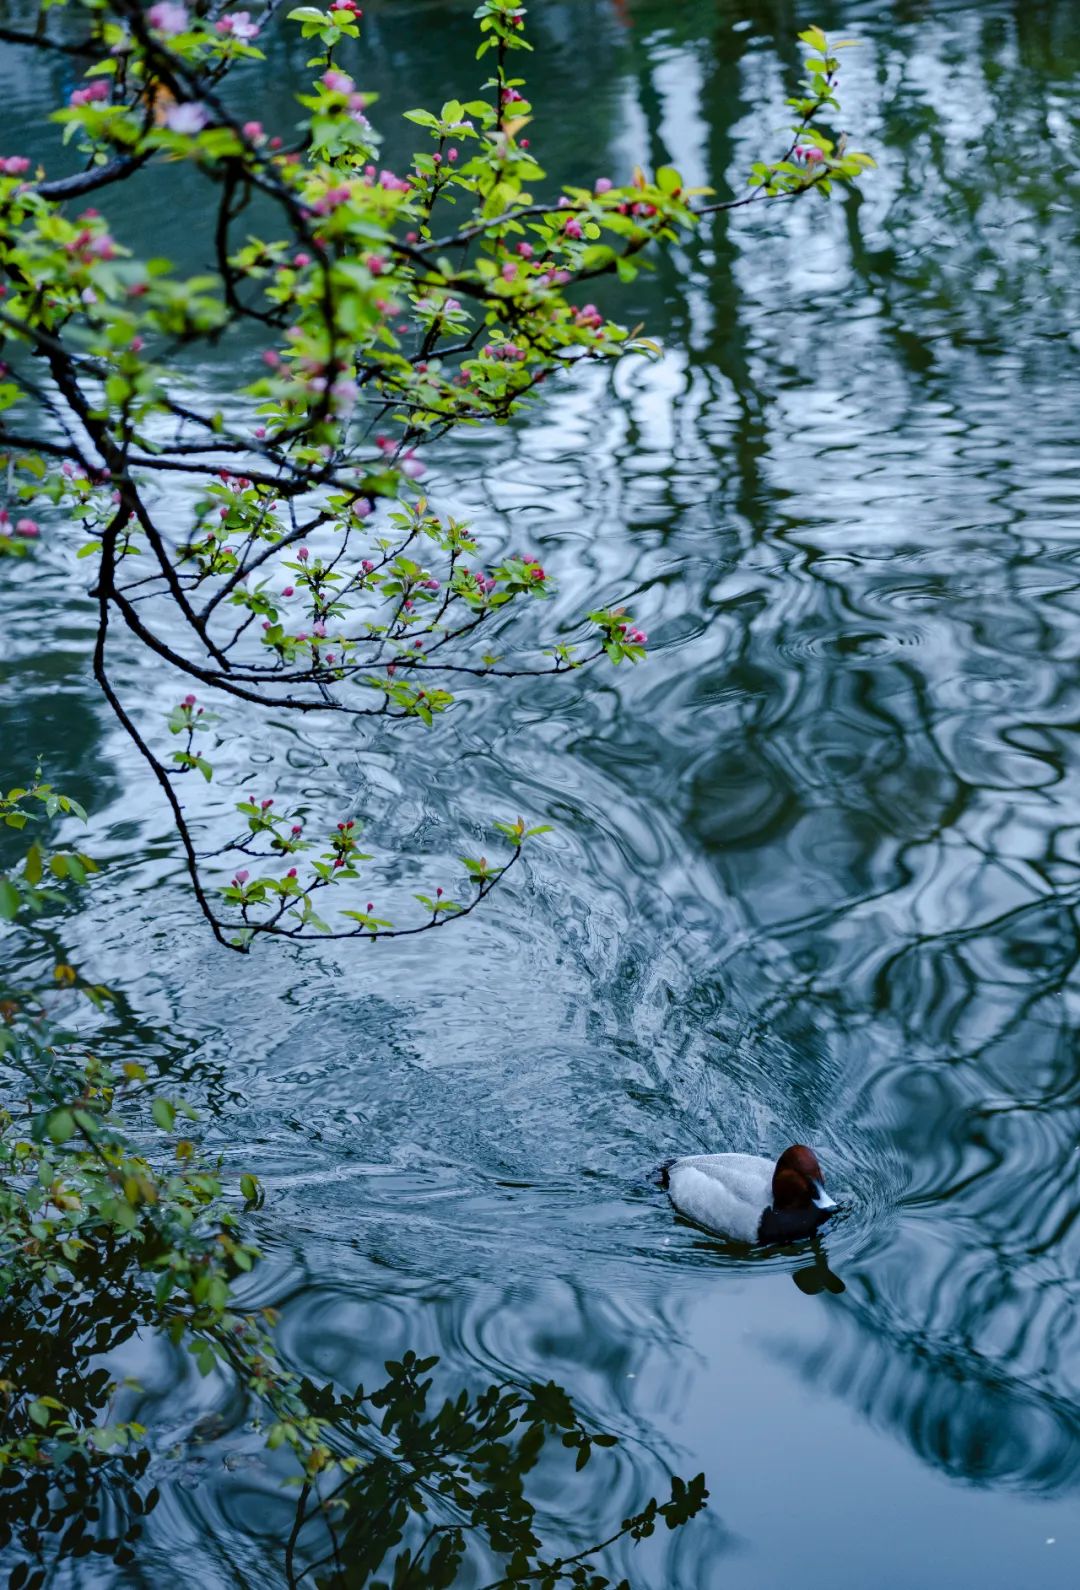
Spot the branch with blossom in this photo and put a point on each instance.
(313, 573)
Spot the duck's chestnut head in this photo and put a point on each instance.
(799, 1201)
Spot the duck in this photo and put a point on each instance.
(748, 1198)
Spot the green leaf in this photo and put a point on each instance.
(60, 1126)
(33, 867)
(164, 1114)
(10, 900)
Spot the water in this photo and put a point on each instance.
(814, 870)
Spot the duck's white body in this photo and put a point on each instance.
(728, 1193)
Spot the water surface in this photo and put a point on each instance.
(814, 871)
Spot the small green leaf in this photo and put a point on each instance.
(164, 1114)
(60, 1125)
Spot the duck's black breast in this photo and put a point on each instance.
(788, 1225)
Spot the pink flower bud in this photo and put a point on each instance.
(28, 528)
(189, 701)
(241, 877)
(603, 185)
(303, 554)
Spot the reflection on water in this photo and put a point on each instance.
(815, 869)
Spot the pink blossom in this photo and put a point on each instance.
(375, 264)
(28, 528)
(451, 155)
(509, 271)
(98, 89)
(167, 17)
(290, 590)
(367, 565)
(301, 260)
(331, 199)
(291, 873)
(241, 878)
(189, 701)
(526, 250)
(189, 118)
(303, 554)
(337, 82)
(603, 185)
(812, 156)
(320, 631)
(238, 24)
(271, 357)
(573, 227)
(346, 5)
(296, 829)
(14, 165)
(253, 131)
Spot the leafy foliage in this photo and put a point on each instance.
(314, 574)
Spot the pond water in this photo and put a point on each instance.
(814, 868)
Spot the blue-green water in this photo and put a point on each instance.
(814, 870)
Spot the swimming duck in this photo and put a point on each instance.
(747, 1198)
